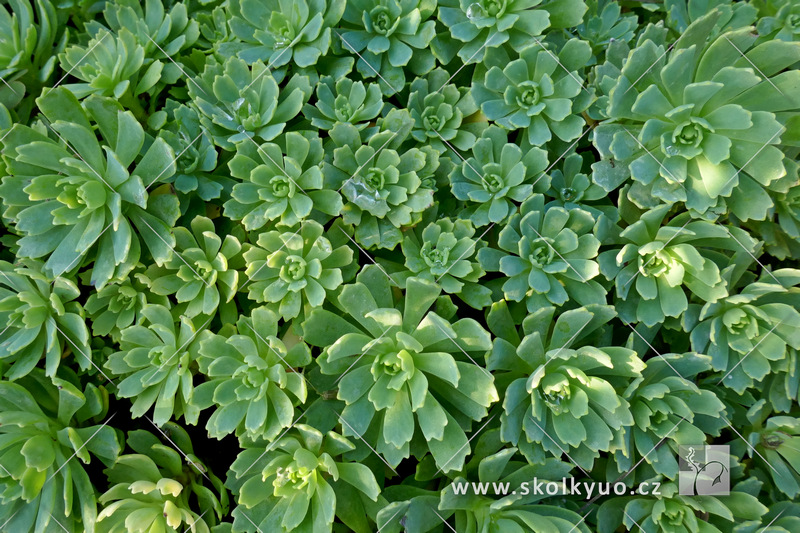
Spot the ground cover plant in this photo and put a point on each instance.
(399, 266)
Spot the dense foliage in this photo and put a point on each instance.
(319, 265)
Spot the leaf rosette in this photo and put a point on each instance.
(408, 383)
(253, 378)
(73, 200)
(548, 256)
(293, 271)
(297, 483)
(281, 183)
(496, 176)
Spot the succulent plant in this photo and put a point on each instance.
(28, 47)
(783, 21)
(443, 251)
(671, 512)
(196, 157)
(92, 207)
(563, 397)
(656, 261)
(278, 32)
(749, 330)
(297, 483)
(344, 101)
(43, 319)
(157, 361)
(538, 92)
(48, 427)
(280, 182)
(238, 102)
(406, 377)
(293, 271)
(202, 273)
(711, 138)
(486, 24)
(154, 490)
(163, 33)
(497, 175)
(97, 66)
(547, 255)
(385, 34)
(118, 305)
(253, 378)
(668, 405)
(383, 186)
(440, 110)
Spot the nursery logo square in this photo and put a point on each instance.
(704, 470)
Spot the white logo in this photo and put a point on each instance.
(704, 470)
